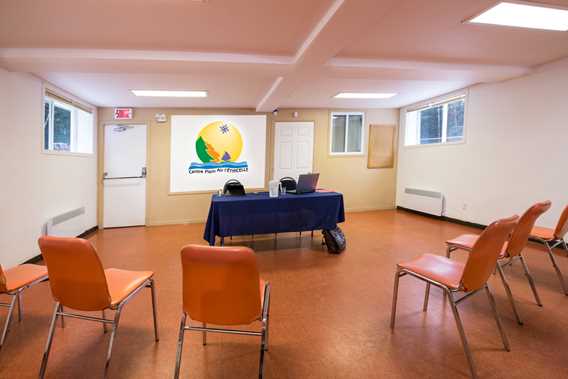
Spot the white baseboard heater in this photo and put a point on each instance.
(427, 201)
(68, 224)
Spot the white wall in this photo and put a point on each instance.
(515, 154)
(35, 186)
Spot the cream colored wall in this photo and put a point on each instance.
(363, 189)
(36, 185)
(514, 152)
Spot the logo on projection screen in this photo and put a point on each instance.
(218, 147)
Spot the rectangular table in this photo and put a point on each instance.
(257, 213)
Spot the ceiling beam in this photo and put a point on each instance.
(428, 70)
(143, 55)
(270, 91)
(415, 64)
(343, 23)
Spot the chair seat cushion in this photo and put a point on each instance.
(437, 268)
(122, 283)
(23, 275)
(542, 233)
(464, 242)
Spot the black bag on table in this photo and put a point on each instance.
(234, 188)
(334, 240)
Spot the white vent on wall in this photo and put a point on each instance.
(427, 201)
(68, 224)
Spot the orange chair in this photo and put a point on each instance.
(78, 281)
(221, 286)
(454, 277)
(552, 238)
(511, 251)
(12, 283)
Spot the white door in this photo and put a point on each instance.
(293, 149)
(124, 178)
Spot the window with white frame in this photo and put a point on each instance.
(346, 133)
(437, 123)
(67, 127)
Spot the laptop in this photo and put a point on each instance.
(306, 184)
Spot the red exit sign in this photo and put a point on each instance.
(123, 113)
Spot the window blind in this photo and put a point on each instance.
(62, 99)
(422, 106)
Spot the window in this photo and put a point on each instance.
(347, 133)
(66, 126)
(441, 122)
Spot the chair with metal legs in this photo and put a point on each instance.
(221, 286)
(455, 277)
(512, 250)
(79, 282)
(13, 282)
(552, 238)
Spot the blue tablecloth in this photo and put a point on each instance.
(257, 213)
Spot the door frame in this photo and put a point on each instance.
(273, 155)
(101, 166)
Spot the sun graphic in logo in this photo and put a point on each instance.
(219, 142)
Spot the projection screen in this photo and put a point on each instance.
(206, 151)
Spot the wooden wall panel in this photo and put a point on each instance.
(381, 146)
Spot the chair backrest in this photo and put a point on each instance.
(520, 235)
(220, 284)
(562, 226)
(483, 257)
(76, 275)
(2, 281)
(234, 188)
(288, 183)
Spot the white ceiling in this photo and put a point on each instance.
(266, 54)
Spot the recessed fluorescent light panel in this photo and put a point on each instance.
(158, 93)
(363, 95)
(524, 15)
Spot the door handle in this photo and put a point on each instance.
(143, 173)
